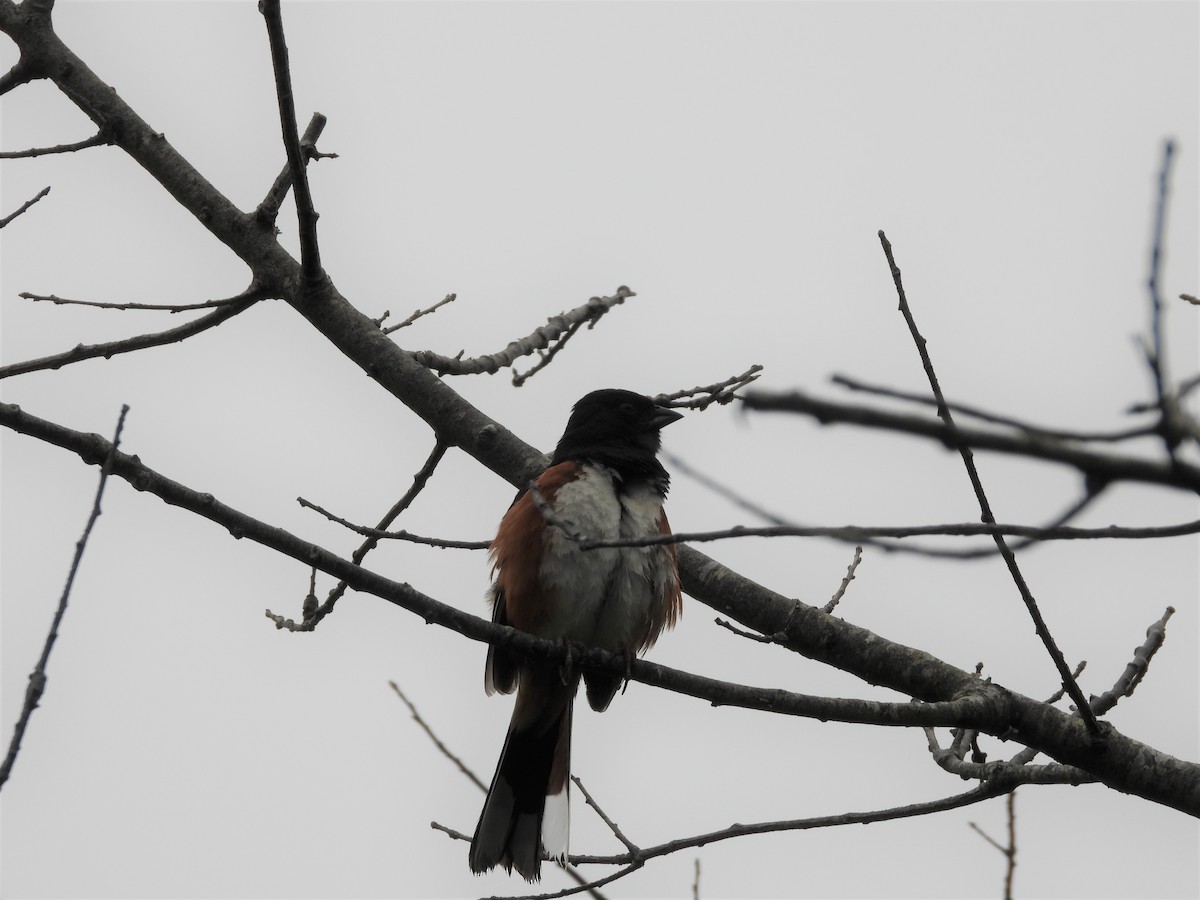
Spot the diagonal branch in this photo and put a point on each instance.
(985, 509)
(24, 206)
(313, 617)
(80, 352)
(268, 210)
(37, 678)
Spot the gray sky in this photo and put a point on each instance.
(732, 164)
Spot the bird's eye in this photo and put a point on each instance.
(626, 409)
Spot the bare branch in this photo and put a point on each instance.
(985, 509)
(721, 490)
(37, 678)
(833, 602)
(306, 215)
(158, 307)
(80, 352)
(721, 393)
(268, 211)
(1010, 852)
(437, 742)
(870, 534)
(313, 614)
(380, 534)
(1156, 351)
(99, 139)
(1135, 671)
(24, 206)
(449, 298)
(634, 861)
(557, 330)
(1099, 468)
(983, 792)
(993, 418)
(612, 826)
(1049, 773)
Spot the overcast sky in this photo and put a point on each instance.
(732, 164)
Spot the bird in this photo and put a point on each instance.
(603, 482)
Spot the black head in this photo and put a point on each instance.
(619, 429)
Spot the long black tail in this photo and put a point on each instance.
(526, 811)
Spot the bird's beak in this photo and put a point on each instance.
(664, 416)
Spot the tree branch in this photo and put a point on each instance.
(80, 352)
(99, 139)
(557, 331)
(268, 210)
(955, 697)
(1099, 468)
(312, 617)
(37, 678)
(985, 507)
(306, 215)
(24, 206)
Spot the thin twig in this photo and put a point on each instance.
(554, 330)
(612, 826)
(313, 614)
(437, 742)
(994, 418)
(583, 884)
(1000, 785)
(985, 508)
(833, 602)
(306, 215)
(721, 393)
(1137, 667)
(158, 307)
(380, 534)
(80, 352)
(1010, 852)
(872, 533)
(1156, 352)
(37, 678)
(716, 487)
(99, 139)
(24, 206)
(449, 298)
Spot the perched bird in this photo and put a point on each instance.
(604, 482)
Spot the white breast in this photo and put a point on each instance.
(604, 596)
